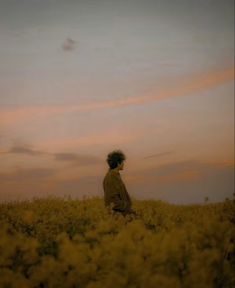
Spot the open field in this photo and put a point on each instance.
(78, 243)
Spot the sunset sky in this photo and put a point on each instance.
(80, 78)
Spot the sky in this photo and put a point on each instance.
(153, 78)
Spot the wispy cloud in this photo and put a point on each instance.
(186, 86)
(166, 153)
(25, 149)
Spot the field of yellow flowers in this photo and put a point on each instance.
(55, 242)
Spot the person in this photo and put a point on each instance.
(116, 196)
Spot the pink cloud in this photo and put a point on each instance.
(186, 86)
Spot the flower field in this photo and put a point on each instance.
(55, 242)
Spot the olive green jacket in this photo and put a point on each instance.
(115, 192)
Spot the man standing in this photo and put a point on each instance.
(115, 192)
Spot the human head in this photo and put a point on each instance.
(115, 159)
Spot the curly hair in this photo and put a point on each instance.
(114, 158)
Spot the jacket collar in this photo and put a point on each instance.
(114, 171)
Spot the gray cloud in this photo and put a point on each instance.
(78, 159)
(22, 149)
(73, 158)
(69, 45)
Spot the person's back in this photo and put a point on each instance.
(115, 192)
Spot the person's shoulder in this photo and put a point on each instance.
(113, 174)
(106, 176)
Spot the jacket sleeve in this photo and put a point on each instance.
(116, 194)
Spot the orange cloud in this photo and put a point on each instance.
(183, 176)
(186, 86)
